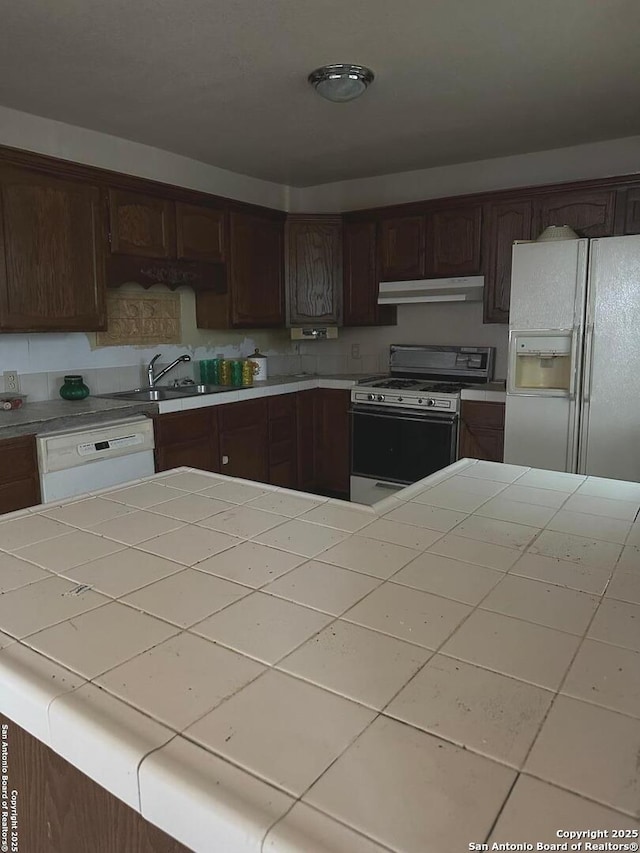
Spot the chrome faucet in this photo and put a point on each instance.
(152, 377)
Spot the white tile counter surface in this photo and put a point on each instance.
(255, 669)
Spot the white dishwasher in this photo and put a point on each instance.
(72, 462)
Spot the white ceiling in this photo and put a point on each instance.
(224, 81)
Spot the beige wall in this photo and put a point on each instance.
(439, 323)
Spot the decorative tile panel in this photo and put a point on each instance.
(142, 319)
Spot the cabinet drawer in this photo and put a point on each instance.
(284, 405)
(239, 415)
(18, 459)
(478, 413)
(183, 426)
(19, 495)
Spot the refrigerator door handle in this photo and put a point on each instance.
(575, 365)
(587, 363)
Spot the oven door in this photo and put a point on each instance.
(401, 445)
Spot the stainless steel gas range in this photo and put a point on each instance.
(405, 424)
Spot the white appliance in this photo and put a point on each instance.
(573, 380)
(72, 462)
(405, 426)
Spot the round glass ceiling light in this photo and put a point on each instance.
(342, 82)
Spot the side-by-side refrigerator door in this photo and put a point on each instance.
(610, 422)
(545, 347)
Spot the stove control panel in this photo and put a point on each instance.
(445, 403)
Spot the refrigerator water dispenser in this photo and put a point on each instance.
(540, 362)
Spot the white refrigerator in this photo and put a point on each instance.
(573, 379)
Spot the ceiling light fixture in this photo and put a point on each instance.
(342, 82)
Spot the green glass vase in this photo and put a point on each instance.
(74, 388)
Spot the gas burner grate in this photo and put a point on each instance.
(446, 387)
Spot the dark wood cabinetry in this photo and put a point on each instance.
(52, 258)
(254, 292)
(306, 439)
(19, 481)
(504, 223)
(313, 263)
(141, 225)
(283, 462)
(62, 810)
(244, 440)
(332, 442)
(200, 233)
(324, 441)
(590, 213)
(187, 438)
(630, 212)
(453, 242)
(360, 278)
(482, 430)
(402, 248)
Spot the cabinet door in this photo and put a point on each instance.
(19, 481)
(482, 431)
(244, 440)
(187, 438)
(504, 223)
(283, 441)
(142, 225)
(333, 437)
(632, 212)
(313, 251)
(402, 243)
(453, 242)
(52, 258)
(306, 434)
(200, 232)
(590, 213)
(361, 279)
(256, 286)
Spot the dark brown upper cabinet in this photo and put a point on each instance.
(631, 211)
(200, 232)
(402, 248)
(52, 253)
(589, 212)
(142, 225)
(313, 264)
(254, 293)
(454, 242)
(360, 278)
(504, 222)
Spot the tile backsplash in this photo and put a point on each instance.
(43, 359)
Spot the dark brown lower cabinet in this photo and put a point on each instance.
(482, 430)
(306, 440)
(332, 442)
(187, 438)
(62, 810)
(244, 440)
(19, 481)
(283, 462)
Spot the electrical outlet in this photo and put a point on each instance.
(355, 350)
(11, 381)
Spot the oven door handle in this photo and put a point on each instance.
(402, 414)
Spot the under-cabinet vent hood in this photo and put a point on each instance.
(467, 289)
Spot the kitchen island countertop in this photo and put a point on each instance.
(276, 671)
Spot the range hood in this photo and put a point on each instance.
(468, 289)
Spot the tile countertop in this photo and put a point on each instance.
(282, 672)
(55, 415)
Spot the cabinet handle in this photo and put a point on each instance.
(225, 460)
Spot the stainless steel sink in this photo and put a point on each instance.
(157, 395)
